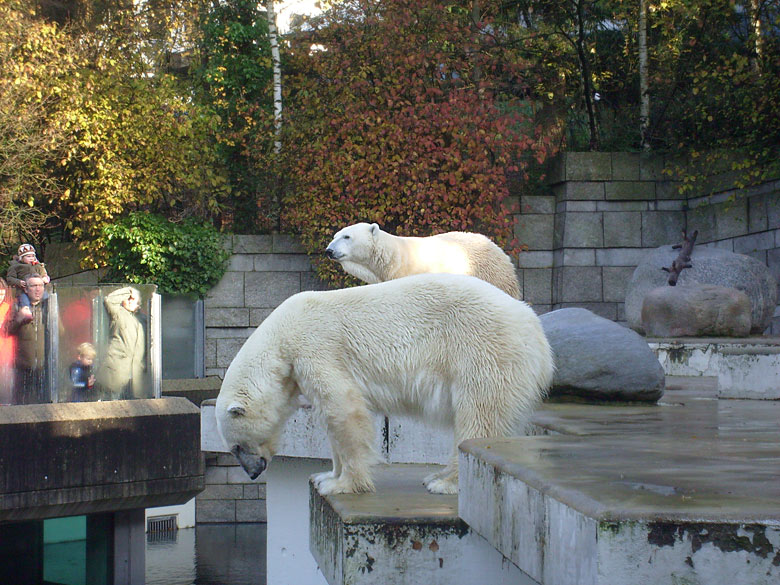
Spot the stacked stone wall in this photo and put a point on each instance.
(229, 495)
(602, 213)
(264, 270)
(605, 211)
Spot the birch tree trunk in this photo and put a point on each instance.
(277, 66)
(758, 40)
(644, 96)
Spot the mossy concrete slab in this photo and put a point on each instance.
(682, 492)
(401, 535)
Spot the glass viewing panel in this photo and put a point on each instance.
(182, 337)
(101, 343)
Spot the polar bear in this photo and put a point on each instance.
(373, 255)
(450, 349)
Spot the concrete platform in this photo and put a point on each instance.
(683, 492)
(401, 535)
(73, 458)
(744, 367)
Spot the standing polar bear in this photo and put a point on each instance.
(450, 349)
(372, 255)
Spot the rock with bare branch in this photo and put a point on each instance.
(683, 259)
(708, 266)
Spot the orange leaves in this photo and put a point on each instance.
(388, 125)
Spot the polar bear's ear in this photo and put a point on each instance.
(374, 229)
(235, 409)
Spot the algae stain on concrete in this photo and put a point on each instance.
(725, 537)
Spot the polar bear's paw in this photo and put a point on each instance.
(318, 478)
(444, 481)
(344, 485)
(442, 485)
(434, 476)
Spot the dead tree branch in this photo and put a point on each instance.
(683, 259)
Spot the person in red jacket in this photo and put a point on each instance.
(7, 346)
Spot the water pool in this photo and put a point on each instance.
(210, 554)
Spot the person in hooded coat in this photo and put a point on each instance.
(122, 373)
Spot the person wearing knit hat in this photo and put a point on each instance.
(25, 250)
(22, 265)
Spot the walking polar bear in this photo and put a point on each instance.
(450, 349)
(372, 255)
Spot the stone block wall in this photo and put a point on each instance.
(743, 221)
(602, 214)
(605, 211)
(229, 496)
(264, 270)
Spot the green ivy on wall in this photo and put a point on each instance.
(186, 258)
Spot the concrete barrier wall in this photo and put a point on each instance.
(69, 459)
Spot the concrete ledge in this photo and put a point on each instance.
(685, 492)
(401, 535)
(398, 439)
(82, 458)
(745, 368)
(196, 390)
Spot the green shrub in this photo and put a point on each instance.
(185, 258)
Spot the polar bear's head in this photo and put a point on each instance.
(256, 399)
(353, 247)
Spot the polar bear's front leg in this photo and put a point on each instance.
(318, 478)
(352, 439)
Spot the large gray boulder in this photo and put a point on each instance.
(597, 359)
(709, 266)
(696, 310)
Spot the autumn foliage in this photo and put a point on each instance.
(400, 115)
(101, 136)
(409, 113)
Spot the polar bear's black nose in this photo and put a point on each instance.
(260, 466)
(252, 464)
(330, 253)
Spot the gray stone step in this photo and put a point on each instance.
(401, 535)
(684, 492)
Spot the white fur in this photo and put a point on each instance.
(372, 255)
(449, 349)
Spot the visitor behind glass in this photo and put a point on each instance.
(6, 343)
(81, 378)
(121, 375)
(27, 326)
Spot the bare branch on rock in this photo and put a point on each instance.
(683, 259)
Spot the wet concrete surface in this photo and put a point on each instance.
(691, 457)
(683, 491)
(400, 498)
